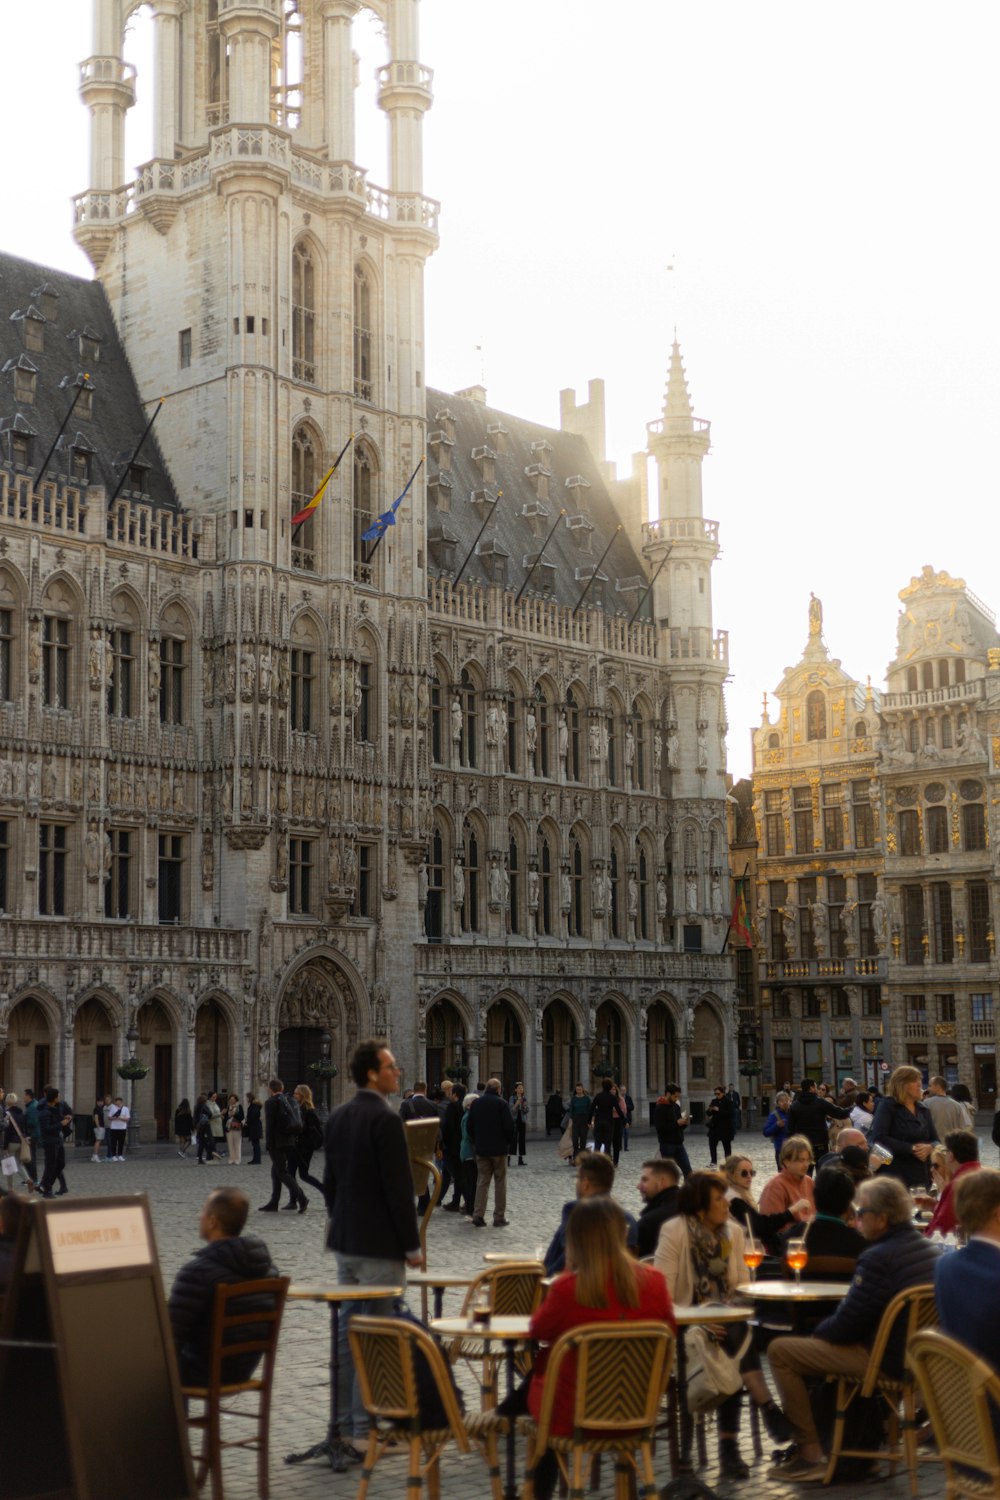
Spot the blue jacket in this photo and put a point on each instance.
(776, 1129)
(965, 1285)
(900, 1259)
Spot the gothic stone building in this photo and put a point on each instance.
(262, 782)
(876, 872)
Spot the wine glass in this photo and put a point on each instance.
(753, 1254)
(797, 1258)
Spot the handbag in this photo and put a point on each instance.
(564, 1150)
(8, 1165)
(713, 1373)
(25, 1150)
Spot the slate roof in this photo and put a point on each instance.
(521, 521)
(119, 417)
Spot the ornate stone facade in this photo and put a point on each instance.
(266, 779)
(876, 876)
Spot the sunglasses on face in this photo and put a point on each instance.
(748, 1174)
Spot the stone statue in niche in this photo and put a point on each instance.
(597, 890)
(879, 922)
(423, 702)
(788, 929)
(93, 783)
(422, 885)
(48, 780)
(266, 669)
(691, 892)
(95, 661)
(661, 895)
(92, 854)
(283, 677)
(760, 921)
(281, 861)
(493, 726)
(673, 748)
(154, 671)
(35, 654)
(633, 896)
(207, 862)
(657, 749)
(820, 924)
(246, 677)
(496, 882)
(406, 700)
(563, 736)
(32, 778)
(334, 877)
(106, 856)
(281, 795)
(702, 751)
(815, 617)
(530, 729)
(350, 866)
(456, 720)
(207, 677)
(6, 779)
(458, 881)
(565, 890)
(178, 794)
(76, 782)
(629, 749)
(227, 791)
(246, 794)
(532, 888)
(718, 905)
(594, 737)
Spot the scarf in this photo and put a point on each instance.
(709, 1254)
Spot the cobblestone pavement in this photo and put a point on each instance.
(177, 1188)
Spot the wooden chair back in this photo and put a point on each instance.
(512, 1288)
(962, 1395)
(621, 1374)
(384, 1352)
(917, 1308)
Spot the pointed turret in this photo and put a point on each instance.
(677, 411)
(679, 442)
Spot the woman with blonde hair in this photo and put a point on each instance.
(310, 1137)
(744, 1208)
(905, 1126)
(233, 1124)
(700, 1252)
(792, 1189)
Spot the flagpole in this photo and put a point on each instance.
(650, 584)
(333, 469)
(594, 574)
(79, 392)
(382, 533)
(475, 544)
(149, 425)
(541, 554)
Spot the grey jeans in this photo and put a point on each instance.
(361, 1270)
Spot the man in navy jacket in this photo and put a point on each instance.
(898, 1256)
(491, 1131)
(368, 1187)
(965, 1282)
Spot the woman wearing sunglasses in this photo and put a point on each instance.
(743, 1206)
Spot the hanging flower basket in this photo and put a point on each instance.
(603, 1070)
(458, 1073)
(133, 1070)
(323, 1069)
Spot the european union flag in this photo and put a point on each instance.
(381, 525)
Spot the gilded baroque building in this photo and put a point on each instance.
(876, 876)
(272, 784)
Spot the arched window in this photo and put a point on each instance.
(944, 675)
(546, 893)
(514, 863)
(366, 724)
(615, 873)
(909, 832)
(959, 670)
(973, 826)
(911, 680)
(444, 1041)
(609, 1042)
(543, 739)
(470, 720)
(816, 716)
(365, 495)
(438, 730)
(304, 482)
(936, 823)
(577, 897)
(363, 374)
(930, 733)
(614, 749)
(914, 735)
(639, 730)
(660, 1065)
(303, 315)
(927, 673)
(473, 874)
(643, 924)
(774, 742)
(434, 906)
(946, 736)
(513, 756)
(860, 730)
(573, 745)
(560, 1060)
(175, 658)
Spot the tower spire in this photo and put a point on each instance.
(677, 401)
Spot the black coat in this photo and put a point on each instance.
(276, 1136)
(451, 1127)
(656, 1213)
(368, 1183)
(419, 1107)
(253, 1129)
(833, 1237)
(899, 1130)
(666, 1117)
(719, 1118)
(491, 1126)
(222, 1262)
(808, 1116)
(765, 1228)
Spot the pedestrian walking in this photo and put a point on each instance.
(580, 1110)
(233, 1125)
(216, 1125)
(282, 1127)
(310, 1138)
(183, 1126)
(451, 1146)
(670, 1123)
(467, 1158)
(99, 1128)
(53, 1118)
(520, 1109)
(491, 1130)
(253, 1127)
(15, 1141)
(203, 1134)
(33, 1130)
(119, 1129)
(719, 1115)
(369, 1196)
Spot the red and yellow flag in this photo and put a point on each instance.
(305, 513)
(739, 923)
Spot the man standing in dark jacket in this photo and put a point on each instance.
(53, 1117)
(809, 1114)
(897, 1257)
(369, 1196)
(228, 1257)
(492, 1132)
(451, 1145)
(670, 1123)
(279, 1140)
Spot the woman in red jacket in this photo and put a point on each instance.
(602, 1285)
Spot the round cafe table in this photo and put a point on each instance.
(794, 1291)
(512, 1334)
(333, 1445)
(438, 1282)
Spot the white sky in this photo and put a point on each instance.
(823, 179)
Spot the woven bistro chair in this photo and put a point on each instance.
(512, 1289)
(962, 1396)
(384, 1351)
(916, 1307)
(622, 1371)
(235, 1332)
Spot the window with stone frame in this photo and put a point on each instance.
(543, 733)
(302, 681)
(305, 481)
(119, 901)
(945, 1008)
(836, 897)
(613, 757)
(942, 925)
(55, 662)
(367, 700)
(437, 722)
(811, 1008)
(981, 1007)
(574, 763)
(471, 904)
(936, 829)
(777, 895)
(365, 512)
(871, 1000)
(577, 884)
(978, 901)
(121, 688)
(781, 1005)
(867, 893)
(913, 923)
(6, 655)
(864, 815)
(52, 857)
(303, 315)
(514, 866)
(833, 818)
(816, 716)
(513, 743)
(172, 679)
(434, 905)
(973, 826)
(469, 700)
(774, 824)
(840, 1005)
(366, 894)
(806, 890)
(547, 895)
(909, 831)
(915, 1009)
(615, 882)
(170, 877)
(802, 810)
(301, 876)
(363, 336)
(639, 730)
(643, 922)
(5, 837)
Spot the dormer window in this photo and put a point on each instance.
(446, 421)
(581, 529)
(535, 515)
(18, 437)
(578, 487)
(494, 561)
(79, 465)
(84, 408)
(498, 436)
(539, 476)
(20, 449)
(47, 300)
(136, 479)
(543, 579)
(439, 491)
(486, 459)
(25, 380)
(442, 544)
(90, 349)
(441, 443)
(32, 329)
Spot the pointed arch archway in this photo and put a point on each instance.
(560, 1049)
(320, 995)
(611, 1040)
(95, 1052)
(29, 1059)
(214, 1040)
(157, 1022)
(661, 1048)
(446, 1040)
(502, 1055)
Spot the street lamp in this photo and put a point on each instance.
(132, 1036)
(324, 1048)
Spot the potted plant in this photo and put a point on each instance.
(133, 1070)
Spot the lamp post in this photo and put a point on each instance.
(132, 1036)
(324, 1048)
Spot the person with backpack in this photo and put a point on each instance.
(282, 1127)
(311, 1138)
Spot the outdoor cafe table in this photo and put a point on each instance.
(794, 1291)
(687, 1317)
(438, 1281)
(332, 1447)
(513, 1334)
(496, 1257)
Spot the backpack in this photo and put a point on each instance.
(432, 1413)
(312, 1133)
(289, 1115)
